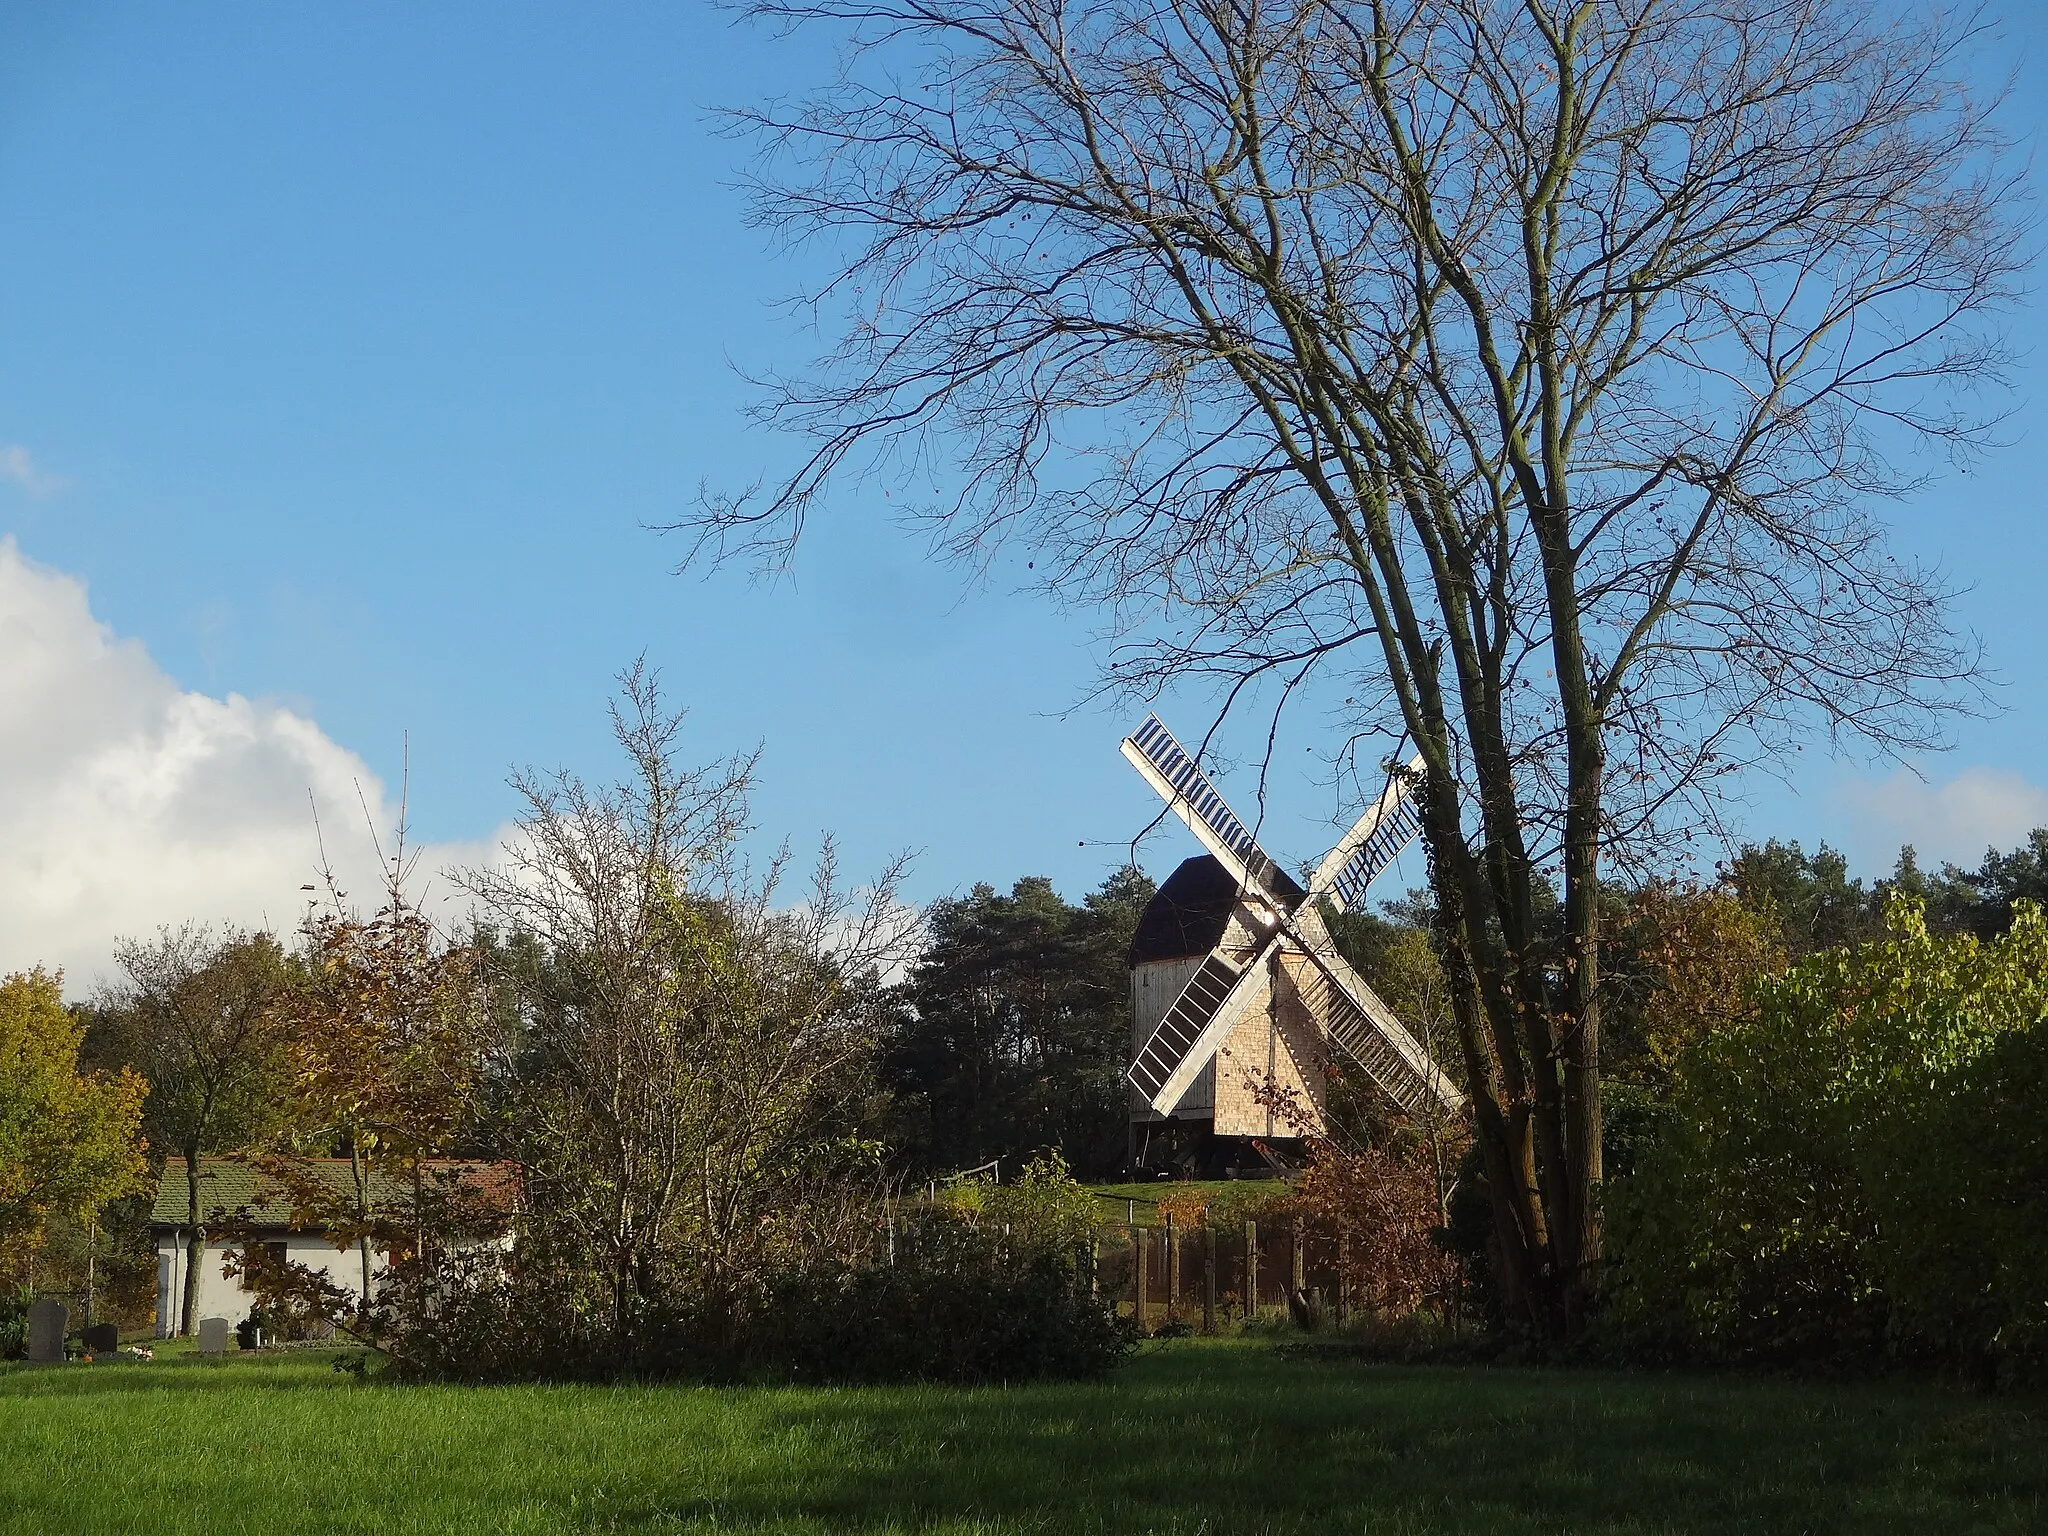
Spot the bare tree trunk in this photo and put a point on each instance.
(195, 1247)
(359, 1176)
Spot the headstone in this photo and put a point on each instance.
(103, 1340)
(48, 1318)
(213, 1335)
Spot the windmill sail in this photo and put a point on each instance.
(1370, 1035)
(1180, 782)
(1374, 841)
(1209, 1007)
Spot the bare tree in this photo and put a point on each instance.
(1532, 365)
(193, 1012)
(689, 1043)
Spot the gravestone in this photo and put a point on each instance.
(103, 1340)
(213, 1335)
(47, 1320)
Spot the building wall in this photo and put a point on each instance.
(1280, 1043)
(1154, 986)
(1278, 1038)
(222, 1295)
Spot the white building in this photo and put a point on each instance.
(234, 1195)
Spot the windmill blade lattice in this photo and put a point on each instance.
(1367, 1031)
(1208, 1009)
(1374, 841)
(1180, 780)
(1394, 833)
(1182, 1026)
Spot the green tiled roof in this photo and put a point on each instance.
(233, 1187)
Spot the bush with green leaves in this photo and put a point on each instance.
(1858, 1172)
(1044, 1207)
(1961, 1195)
(950, 1298)
(959, 1302)
(14, 1305)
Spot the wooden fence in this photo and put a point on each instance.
(1204, 1277)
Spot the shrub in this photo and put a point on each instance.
(482, 1321)
(960, 1302)
(1857, 1172)
(1046, 1208)
(14, 1305)
(1959, 1184)
(1385, 1201)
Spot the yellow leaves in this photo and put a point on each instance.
(1189, 1208)
(69, 1141)
(384, 1041)
(1704, 953)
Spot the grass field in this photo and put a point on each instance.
(1195, 1436)
(1228, 1193)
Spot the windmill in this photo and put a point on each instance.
(1236, 984)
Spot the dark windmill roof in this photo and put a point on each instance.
(1190, 911)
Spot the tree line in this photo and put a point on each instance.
(694, 1063)
(703, 1080)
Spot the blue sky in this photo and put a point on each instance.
(346, 353)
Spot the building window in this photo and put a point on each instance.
(271, 1263)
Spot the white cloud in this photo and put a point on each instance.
(18, 465)
(1954, 821)
(127, 802)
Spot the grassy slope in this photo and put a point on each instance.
(1193, 1437)
(1151, 1189)
(1227, 1195)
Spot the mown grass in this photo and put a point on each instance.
(1117, 1203)
(1192, 1437)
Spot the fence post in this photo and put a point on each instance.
(1300, 1269)
(1208, 1279)
(1343, 1277)
(1172, 1270)
(1251, 1269)
(1095, 1265)
(1138, 1276)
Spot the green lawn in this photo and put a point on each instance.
(1225, 1193)
(1191, 1437)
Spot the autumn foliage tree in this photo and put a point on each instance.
(193, 1011)
(384, 1040)
(1380, 1188)
(1384, 1205)
(70, 1141)
(1687, 960)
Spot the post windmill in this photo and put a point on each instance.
(1237, 988)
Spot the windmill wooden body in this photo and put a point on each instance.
(1238, 995)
